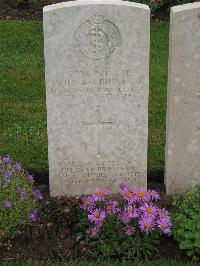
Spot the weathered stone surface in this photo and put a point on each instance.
(183, 115)
(97, 75)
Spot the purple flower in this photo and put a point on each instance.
(7, 159)
(112, 207)
(23, 195)
(31, 179)
(131, 211)
(100, 194)
(87, 203)
(33, 216)
(7, 204)
(165, 225)
(97, 216)
(8, 175)
(129, 230)
(128, 195)
(149, 209)
(4, 185)
(123, 216)
(163, 213)
(123, 185)
(142, 195)
(17, 166)
(147, 224)
(153, 194)
(38, 194)
(93, 231)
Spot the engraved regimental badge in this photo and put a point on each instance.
(96, 39)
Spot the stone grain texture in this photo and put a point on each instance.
(183, 114)
(97, 87)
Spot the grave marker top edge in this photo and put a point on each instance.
(185, 7)
(96, 2)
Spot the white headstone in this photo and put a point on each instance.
(97, 86)
(183, 115)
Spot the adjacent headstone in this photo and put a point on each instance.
(183, 115)
(97, 75)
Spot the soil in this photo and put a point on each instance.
(32, 10)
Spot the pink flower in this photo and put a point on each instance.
(147, 224)
(87, 203)
(100, 194)
(153, 194)
(97, 216)
(112, 207)
(141, 195)
(148, 209)
(131, 211)
(129, 230)
(165, 225)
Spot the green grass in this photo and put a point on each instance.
(78, 263)
(23, 133)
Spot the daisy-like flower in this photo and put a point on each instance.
(153, 194)
(131, 211)
(141, 195)
(31, 179)
(100, 194)
(97, 216)
(38, 194)
(128, 195)
(93, 231)
(23, 195)
(33, 216)
(87, 203)
(8, 175)
(7, 159)
(147, 224)
(164, 225)
(123, 216)
(123, 185)
(7, 204)
(129, 230)
(17, 166)
(148, 209)
(163, 213)
(112, 207)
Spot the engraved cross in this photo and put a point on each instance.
(100, 124)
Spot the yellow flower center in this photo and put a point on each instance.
(141, 194)
(111, 207)
(87, 203)
(163, 215)
(131, 210)
(164, 225)
(147, 225)
(97, 215)
(129, 194)
(123, 218)
(100, 193)
(149, 210)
